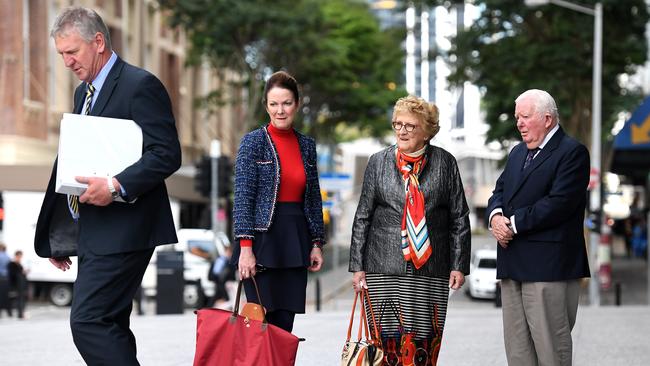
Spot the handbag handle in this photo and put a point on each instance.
(354, 307)
(235, 310)
(363, 324)
(374, 335)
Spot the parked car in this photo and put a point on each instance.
(482, 281)
(199, 249)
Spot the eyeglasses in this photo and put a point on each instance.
(397, 126)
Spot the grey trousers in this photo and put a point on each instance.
(537, 321)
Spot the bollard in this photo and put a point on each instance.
(617, 290)
(317, 294)
(605, 257)
(497, 295)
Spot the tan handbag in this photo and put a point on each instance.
(252, 310)
(362, 352)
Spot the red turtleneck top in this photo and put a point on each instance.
(292, 171)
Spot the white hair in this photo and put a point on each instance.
(543, 102)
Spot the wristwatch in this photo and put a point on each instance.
(111, 188)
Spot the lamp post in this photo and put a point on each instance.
(595, 197)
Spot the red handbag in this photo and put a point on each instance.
(226, 338)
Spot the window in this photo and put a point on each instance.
(35, 40)
(487, 263)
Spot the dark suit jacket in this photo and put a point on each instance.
(548, 200)
(129, 93)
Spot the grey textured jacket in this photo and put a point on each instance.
(376, 237)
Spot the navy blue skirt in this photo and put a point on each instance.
(283, 252)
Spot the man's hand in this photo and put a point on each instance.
(316, 259)
(97, 192)
(500, 229)
(62, 263)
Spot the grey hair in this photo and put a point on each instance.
(543, 101)
(86, 21)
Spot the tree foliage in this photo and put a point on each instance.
(512, 48)
(349, 68)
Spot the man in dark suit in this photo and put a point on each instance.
(116, 223)
(536, 215)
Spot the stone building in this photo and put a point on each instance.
(36, 88)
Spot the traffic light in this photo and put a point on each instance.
(203, 177)
(225, 176)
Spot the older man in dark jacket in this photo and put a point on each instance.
(536, 215)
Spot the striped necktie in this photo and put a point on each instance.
(73, 200)
(89, 99)
(530, 156)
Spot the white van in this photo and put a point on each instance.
(20, 215)
(199, 249)
(21, 211)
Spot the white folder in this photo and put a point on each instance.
(92, 146)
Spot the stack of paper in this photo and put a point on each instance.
(92, 146)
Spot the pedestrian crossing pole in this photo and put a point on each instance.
(215, 153)
(647, 248)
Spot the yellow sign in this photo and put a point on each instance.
(641, 134)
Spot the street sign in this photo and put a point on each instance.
(636, 132)
(632, 145)
(328, 204)
(335, 181)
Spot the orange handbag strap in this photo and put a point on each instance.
(354, 305)
(363, 323)
(375, 334)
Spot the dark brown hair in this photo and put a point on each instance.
(284, 80)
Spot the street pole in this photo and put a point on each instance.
(596, 199)
(215, 153)
(647, 249)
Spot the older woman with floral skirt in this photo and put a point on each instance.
(411, 236)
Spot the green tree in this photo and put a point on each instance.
(512, 47)
(347, 66)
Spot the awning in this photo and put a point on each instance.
(631, 155)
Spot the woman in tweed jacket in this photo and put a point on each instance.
(277, 212)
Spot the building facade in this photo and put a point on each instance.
(36, 88)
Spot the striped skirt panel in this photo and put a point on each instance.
(415, 297)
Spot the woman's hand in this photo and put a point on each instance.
(246, 263)
(456, 280)
(358, 280)
(316, 259)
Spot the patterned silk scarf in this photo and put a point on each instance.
(415, 236)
